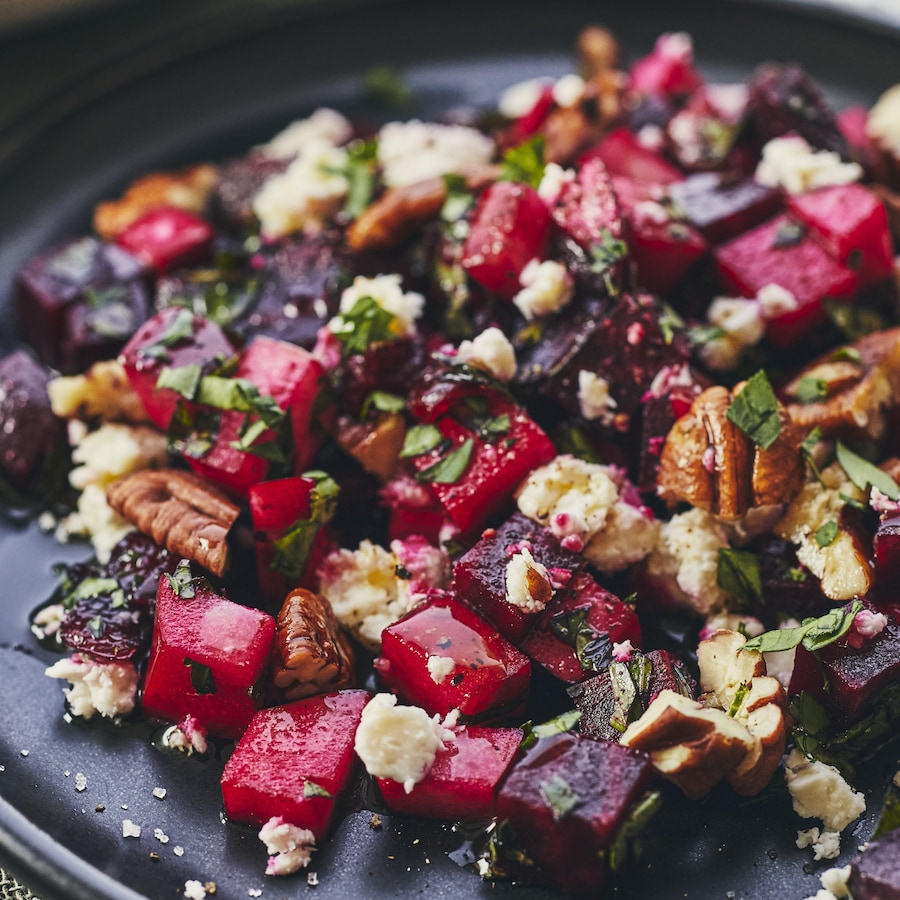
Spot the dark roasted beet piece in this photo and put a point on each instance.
(79, 302)
(392, 367)
(875, 873)
(624, 155)
(887, 551)
(783, 98)
(29, 432)
(239, 182)
(587, 208)
(788, 586)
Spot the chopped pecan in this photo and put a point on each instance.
(376, 445)
(103, 392)
(310, 654)
(857, 386)
(180, 510)
(401, 211)
(188, 189)
(598, 51)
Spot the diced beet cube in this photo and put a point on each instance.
(294, 761)
(173, 338)
(208, 658)
(663, 251)
(413, 510)
(462, 784)
(168, 238)
(668, 69)
(78, 302)
(497, 463)
(565, 801)
(851, 224)
(875, 873)
(584, 614)
(778, 252)
(622, 154)
(845, 679)
(887, 551)
(509, 228)
(391, 366)
(852, 123)
(484, 676)
(587, 209)
(29, 432)
(479, 576)
(721, 208)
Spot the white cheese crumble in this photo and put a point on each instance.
(324, 124)
(440, 668)
(188, 736)
(130, 829)
(825, 844)
(554, 180)
(399, 742)
(868, 624)
(289, 846)
(742, 326)
(385, 290)
(160, 793)
(790, 163)
(492, 351)
(834, 881)
(546, 288)
(819, 791)
(520, 98)
(194, 890)
(414, 151)
(45, 622)
(527, 582)
(883, 123)
(568, 90)
(594, 398)
(775, 300)
(305, 194)
(105, 688)
(160, 835)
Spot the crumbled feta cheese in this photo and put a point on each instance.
(399, 742)
(305, 194)
(194, 890)
(160, 835)
(130, 829)
(95, 518)
(883, 123)
(555, 178)
(440, 668)
(178, 850)
(546, 288)
(687, 555)
(289, 847)
(622, 651)
(651, 136)
(820, 791)
(324, 124)
(105, 688)
(594, 397)
(414, 151)
(835, 880)
(527, 582)
(568, 90)
(825, 844)
(807, 838)
(520, 98)
(45, 622)
(188, 735)
(676, 45)
(312, 879)
(790, 163)
(491, 351)
(775, 300)
(114, 450)
(386, 291)
(868, 624)
(742, 327)
(160, 793)
(650, 212)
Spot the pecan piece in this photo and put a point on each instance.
(180, 510)
(598, 50)
(310, 654)
(375, 445)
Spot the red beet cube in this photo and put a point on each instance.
(509, 228)
(565, 801)
(528, 125)
(850, 222)
(587, 209)
(479, 576)
(173, 338)
(294, 761)
(413, 510)
(624, 155)
(587, 616)
(663, 251)
(442, 656)
(886, 545)
(778, 252)
(167, 238)
(463, 783)
(668, 69)
(208, 658)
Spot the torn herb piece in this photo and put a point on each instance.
(560, 796)
(826, 534)
(367, 323)
(593, 648)
(812, 389)
(739, 573)
(865, 474)
(184, 380)
(606, 254)
(560, 724)
(181, 328)
(755, 411)
(459, 198)
(420, 439)
(202, 679)
(383, 402)
(311, 789)
(739, 695)
(847, 354)
(450, 468)
(524, 163)
(806, 449)
(813, 634)
(181, 582)
(628, 844)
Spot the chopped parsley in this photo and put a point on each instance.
(864, 474)
(367, 323)
(606, 255)
(420, 439)
(813, 634)
(755, 411)
(739, 573)
(181, 582)
(202, 679)
(450, 468)
(524, 163)
(180, 329)
(827, 533)
(812, 389)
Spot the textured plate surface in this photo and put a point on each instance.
(212, 92)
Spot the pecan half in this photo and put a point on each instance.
(180, 510)
(310, 654)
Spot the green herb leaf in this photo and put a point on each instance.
(739, 695)
(813, 634)
(739, 573)
(627, 843)
(890, 813)
(788, 234)
(847, 354)
(383, 402)
(92, 587)
(494, 428)
(559, 795)
(863, 473)
(96, 626)
(592, 647)
(853, 319)
(367, 323)
(311, 789)
(202, 679)
(451, 467)
(755, 411)
(420, 439)
(572, 439)
(812, 389)
(704, 334)
(181, 328)
(630, 682)
(669, 322)
(606, 254)
(560, 724)
(826, 534)
(524, 163)
(806, 449)
(181, 582)
(459, 198)
(184, 380)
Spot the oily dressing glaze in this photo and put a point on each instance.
(705, 849)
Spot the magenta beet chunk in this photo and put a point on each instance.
(509, 227)
(78, 302)
(853, 675)
(29, 432)
(663, 252)
(584, 612)
(875, 873)
(462, 784)
(391, 366)
(668, 69)
(851, 224)
(887, 551)
(294, 761)
(489, 678)
(208, 659)
(168, 238)
(622, 154)
(778, 252)
(172, 338)
(479, 576)
(720, 208)
(587, 209)
(565, 800)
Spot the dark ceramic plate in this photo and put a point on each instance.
(212, 87)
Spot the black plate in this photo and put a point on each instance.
(207, 86)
